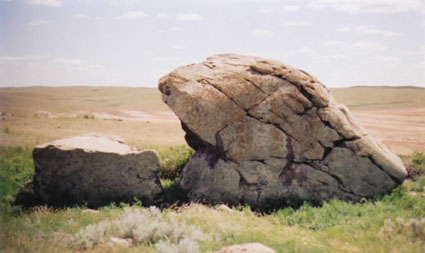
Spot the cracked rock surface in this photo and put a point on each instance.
(94, 169)
(265, 130)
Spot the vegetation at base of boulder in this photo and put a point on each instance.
(16, 169)
(418, 160)
(415, 164)
(394, 222)
(173, 159)
(173, 194)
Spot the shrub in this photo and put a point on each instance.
(142, 227)
(91, 235)
(413, 228)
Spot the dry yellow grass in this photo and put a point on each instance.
(385, 112)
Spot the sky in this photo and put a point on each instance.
(135, 42)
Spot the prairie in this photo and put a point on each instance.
(394, 115)
(390, 223)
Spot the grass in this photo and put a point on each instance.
(391, 223)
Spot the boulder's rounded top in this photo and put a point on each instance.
(93, 143)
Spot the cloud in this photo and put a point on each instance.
(337, 57)
(260, 32)
(43, 70)
(76, 64)
(290, 8)
(37, 22)
(162, 15)
(119, 3)
(171, 29)
(356, 45)
(304, 50)
(21, 58)
(369, 30)
(10, 58)
(51, 3)
(84, 16)
(175, 29)
(369, 6)
(296, 23)
(344, 29)
(178, 47)
(132, 15)
(189, 16)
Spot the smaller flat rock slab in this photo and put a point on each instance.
(95, 169)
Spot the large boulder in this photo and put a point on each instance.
(95, 169)
(265, 130)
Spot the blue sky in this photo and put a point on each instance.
(135, 42)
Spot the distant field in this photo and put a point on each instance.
(379, 98)
(395, 115)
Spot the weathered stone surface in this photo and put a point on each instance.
(264, 130)
(93, 169)
(254, 247)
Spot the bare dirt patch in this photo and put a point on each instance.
(402, 129)
(124, 115)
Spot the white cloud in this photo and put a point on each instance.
(260, 32)
(22, 58)
(37, 22)
(337, 57)
(171, 29)
(132, 15)
(290, 8)
(304, 50)
(43, 70)
(76, 63)
(265, 10)
(369, 30)
(10, 58)
(369, 6)
(52, 3)
(356, 45)
(344, 29)
(162, 15)
(189, 16)
(178, 47)
(125, 2)
(81, 16)
(296, 23)
(175, 29)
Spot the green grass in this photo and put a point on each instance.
(173, 159)
(16, 169)
(390, 223)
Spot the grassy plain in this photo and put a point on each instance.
(391, 223)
